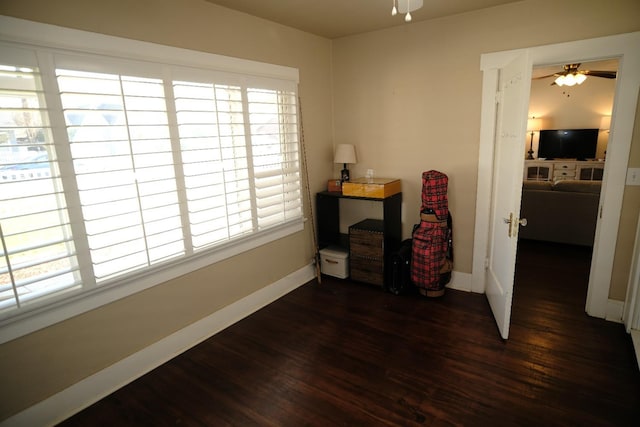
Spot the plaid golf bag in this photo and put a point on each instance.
(432, 239)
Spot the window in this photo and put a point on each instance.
(118, 134)
(38, 251)
(112, 168)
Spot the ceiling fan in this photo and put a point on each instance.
(571, 75)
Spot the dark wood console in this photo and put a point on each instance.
(328, 214)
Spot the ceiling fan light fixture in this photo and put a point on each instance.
(571, 75)
(406, 7)
(570, 80)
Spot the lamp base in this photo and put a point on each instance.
(530, 156)
(344, 174)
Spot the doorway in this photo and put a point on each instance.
(560, 196)
(622, 46)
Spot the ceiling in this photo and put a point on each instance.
(339, 18)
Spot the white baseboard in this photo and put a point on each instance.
(460, 281)
(88, 391)
(635, 337)
(614, 312)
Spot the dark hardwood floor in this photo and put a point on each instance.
(344, 353)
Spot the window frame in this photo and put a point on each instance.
(44, 37)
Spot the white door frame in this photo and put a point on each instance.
(626, 47)
(631, 315)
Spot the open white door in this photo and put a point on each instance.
(622, 46)
(511, 117)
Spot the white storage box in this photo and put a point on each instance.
(334, 261)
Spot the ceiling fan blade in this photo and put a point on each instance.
(605, 74)
(548, 75)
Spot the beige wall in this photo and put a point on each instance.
(628, 223)
(408, 97)
(45, 362)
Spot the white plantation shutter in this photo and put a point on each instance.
(37, 251)
(119, 137)
(276, 159)
(134, 172)
(214, 160)
(218, 166)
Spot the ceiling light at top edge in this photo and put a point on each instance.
(406, 7)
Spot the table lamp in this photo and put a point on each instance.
(345, 153)
(533, 125)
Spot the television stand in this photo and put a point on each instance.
(559, 169)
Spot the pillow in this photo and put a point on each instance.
(578, 186)
(537, 185)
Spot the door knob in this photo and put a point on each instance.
(512, 232)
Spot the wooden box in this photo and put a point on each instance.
(375, 188)
(366, 251)
(334, 185)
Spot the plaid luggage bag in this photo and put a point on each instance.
(432, 247)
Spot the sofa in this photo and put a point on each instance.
(563, 212)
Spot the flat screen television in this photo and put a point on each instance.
(577, 144)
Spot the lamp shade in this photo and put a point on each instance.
(605, 123)
(345, 153)
(534, 124)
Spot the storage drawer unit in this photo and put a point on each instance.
(564, 174)
(366, 252)
(568, 166)
(563, 170)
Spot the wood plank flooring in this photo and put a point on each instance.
(344, 353)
